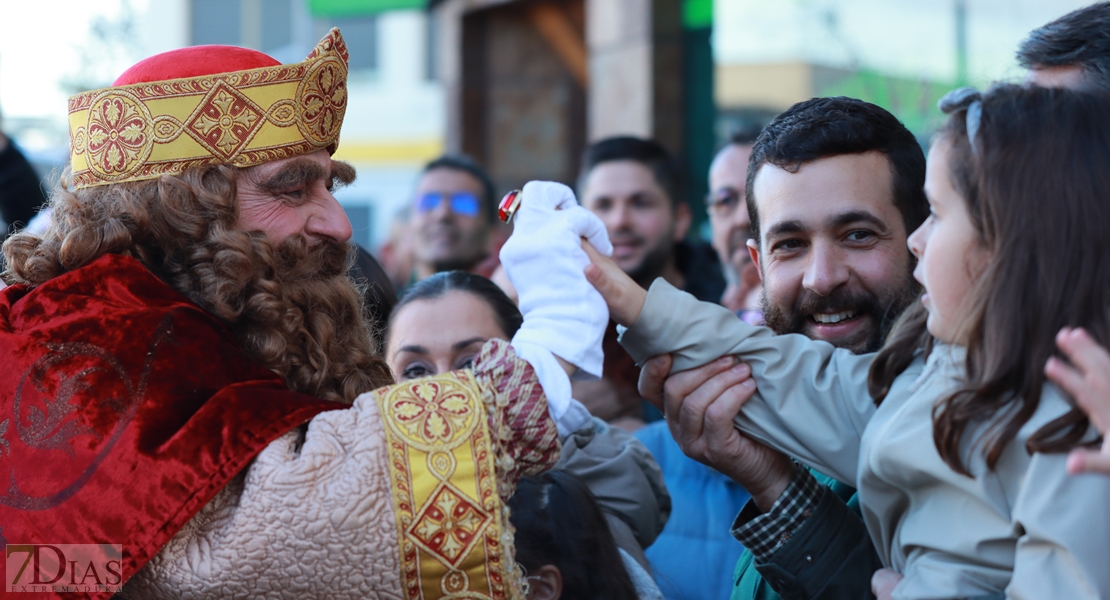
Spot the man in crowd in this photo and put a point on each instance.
(632, 184)
(454, 219)
(807, 555)
(1072, 51)
(731, 225)
(833, 189)
(697, 535)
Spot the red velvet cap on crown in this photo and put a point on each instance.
(194, 62)
(208, 105)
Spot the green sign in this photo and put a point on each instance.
(697, 14)
(357, 8)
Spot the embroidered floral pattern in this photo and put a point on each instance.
(118, 135)
(226, 121)
(323, 101)
(449, 525)
(457, 444)
(243, 117)
(431, 414)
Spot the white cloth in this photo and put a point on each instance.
(564, 315)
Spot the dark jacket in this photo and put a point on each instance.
(830, 555)
(21, 194)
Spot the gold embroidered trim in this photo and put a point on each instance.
(243, 118)
(454, 537)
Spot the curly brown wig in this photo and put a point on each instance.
(290, 306)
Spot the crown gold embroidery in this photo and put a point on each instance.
(243, 118)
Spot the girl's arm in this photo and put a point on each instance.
(1063, 551)
(811, 400)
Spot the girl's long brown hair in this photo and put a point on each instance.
(1037, 188)
(290, 305)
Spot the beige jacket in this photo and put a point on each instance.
(1026, 528)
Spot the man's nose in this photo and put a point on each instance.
(329, 220)
(620, 217)
(826, 270)
(442, 209)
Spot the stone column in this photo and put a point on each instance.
(635, 62)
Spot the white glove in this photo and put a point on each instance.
(563, 314)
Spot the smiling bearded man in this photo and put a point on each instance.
(184, 351)
(833, 189)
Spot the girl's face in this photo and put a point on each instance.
(428, 337)
(951, 255)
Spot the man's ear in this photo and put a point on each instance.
(546, 583)
(753, 251)
(682, 219)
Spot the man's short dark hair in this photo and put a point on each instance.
(462, 162)
(1080, 38)
(824, 127)
(646, 152)
(746, 134)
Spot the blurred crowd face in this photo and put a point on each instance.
(642, 221)
(293, 196)
(731, 225)
(438, 335)
(833, 249)
(728, 213)
(449, 222)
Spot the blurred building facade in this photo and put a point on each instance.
(529, 83)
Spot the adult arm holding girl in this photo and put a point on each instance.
(961, 465)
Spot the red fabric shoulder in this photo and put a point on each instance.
(140, 402)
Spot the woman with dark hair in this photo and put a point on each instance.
(440, 324)
(562, 541)
(956, 440)
(423, 341)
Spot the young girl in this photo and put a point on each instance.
(959, 449)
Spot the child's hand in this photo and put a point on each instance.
(883, 583)
(624, 296)
(1088, 381)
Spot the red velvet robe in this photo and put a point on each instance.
(124, 408)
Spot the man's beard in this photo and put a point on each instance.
(655, 260)
(882, 314)
(297, 261)
(294, 310)
(470, 250)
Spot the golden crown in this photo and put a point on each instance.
(243, 118)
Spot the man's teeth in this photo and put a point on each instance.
(834, 318)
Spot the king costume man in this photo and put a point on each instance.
(187, 371)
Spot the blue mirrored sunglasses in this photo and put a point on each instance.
(461, 203)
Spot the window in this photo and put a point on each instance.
(277, 24)
(216, 22)
(361, 35)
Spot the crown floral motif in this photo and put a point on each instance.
(242, 118)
